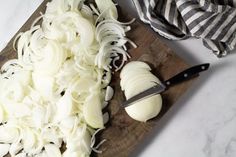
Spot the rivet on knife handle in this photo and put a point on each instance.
(187, 74)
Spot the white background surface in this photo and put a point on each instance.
(201, 124)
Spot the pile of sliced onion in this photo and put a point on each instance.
(54, 92)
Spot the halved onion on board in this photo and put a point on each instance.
(136, 78)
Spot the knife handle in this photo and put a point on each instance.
(187, 74)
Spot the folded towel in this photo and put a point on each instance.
(214, 21)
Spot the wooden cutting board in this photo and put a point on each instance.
(123, 133)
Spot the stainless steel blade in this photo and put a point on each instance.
(157, 89)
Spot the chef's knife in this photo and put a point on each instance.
(160, 87)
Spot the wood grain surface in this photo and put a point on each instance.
(123, 133)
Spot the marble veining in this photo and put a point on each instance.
(201, 124)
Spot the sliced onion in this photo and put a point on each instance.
(52, 150)
(15, 148)
(4, 148)
(105, 6)
(109, 93)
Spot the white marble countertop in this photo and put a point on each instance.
(201, 124)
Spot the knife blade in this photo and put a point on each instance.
(161, 87)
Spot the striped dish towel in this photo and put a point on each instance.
(214, 21)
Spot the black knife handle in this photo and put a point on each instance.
(187, 74)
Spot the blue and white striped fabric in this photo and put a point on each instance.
(212, 20)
